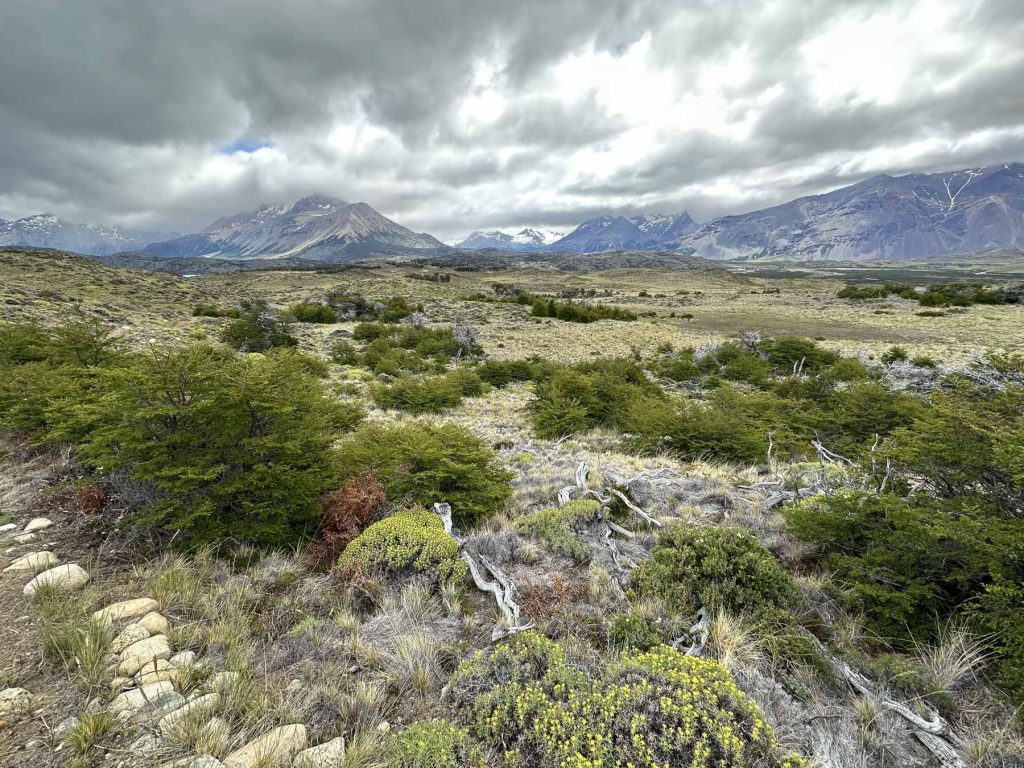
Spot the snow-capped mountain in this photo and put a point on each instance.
(317, 228)
(45, 230)
(619, 233)
(525, 240)
(665, 228)
(884, 217)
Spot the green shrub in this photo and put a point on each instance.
(433, 744)
(647, 709)
(234, 447)
(311, 312)
(634, 630)
(257, 331)
(789, 352)
(345, 353)
(556, 527)
(428, 394)
(501, 373)
(212, 310)
(411, 541)
(678, 366)
(714, 567)
(590, 395)
(894, 354)
(424, 464)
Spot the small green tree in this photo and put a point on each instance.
(424, 464)
(233, 447)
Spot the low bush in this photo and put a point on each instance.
(257, 330)
(409, 542)
(428, 394)
(716, 568)
(556, 527)
(212, 310)
(424, 464)
(433, 744)
(635, 630)
(646, 709)
(231, 447)
(501, 373)
(311, 312)
(590, 395)
(346, 512)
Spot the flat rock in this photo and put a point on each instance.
(326, 755)
(25, 538)
(148, 744)
(66, 726)
(15, 701)
(130, 635)
(183, 658)
(273, 747)
(143, 699)
(189, 714)
(203, 761)
(34, 561)
(154, 623)
(126, 609)
(37, 524)
(7, 527)
(155, 647)
(70, 576)
(221, 680)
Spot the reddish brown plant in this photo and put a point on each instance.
(346, 513)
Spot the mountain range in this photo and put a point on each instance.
(45, 230)
(525, 240)
(884, 217)
(316, 228)
(598, 235)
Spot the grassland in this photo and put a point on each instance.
(684, 307)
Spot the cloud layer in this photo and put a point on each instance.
(477, 113)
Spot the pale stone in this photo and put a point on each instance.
(276, 746)
(142, 699)
(34, 561)
(325, 755)
(130, 635)
(221, 680)
(70, 576)
(183, 658)
(7, 527)
(171, 675)
(25, 538)
(203, 761)
(154, 623)
(155, 647)
(15, 701)
(126, 609)
(147, 744)
(120, 683)
(66, 726)
(191, 713)
(37, 524)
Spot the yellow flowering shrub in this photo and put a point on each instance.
(556, 527)
(653, 709)
(409, 541)
(433, 744)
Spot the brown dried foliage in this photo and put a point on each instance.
(346, 513)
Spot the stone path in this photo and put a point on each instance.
(147, 670)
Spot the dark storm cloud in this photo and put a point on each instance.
(116, 110)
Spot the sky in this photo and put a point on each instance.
(455, 115)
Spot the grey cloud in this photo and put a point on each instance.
(110, 108)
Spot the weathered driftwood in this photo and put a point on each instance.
(634, 508)
(502, 587)
(933, 732)
(566, 494)
(697, 635)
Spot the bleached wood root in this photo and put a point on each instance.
(634, 508)
(502, 587)
(697, 635)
